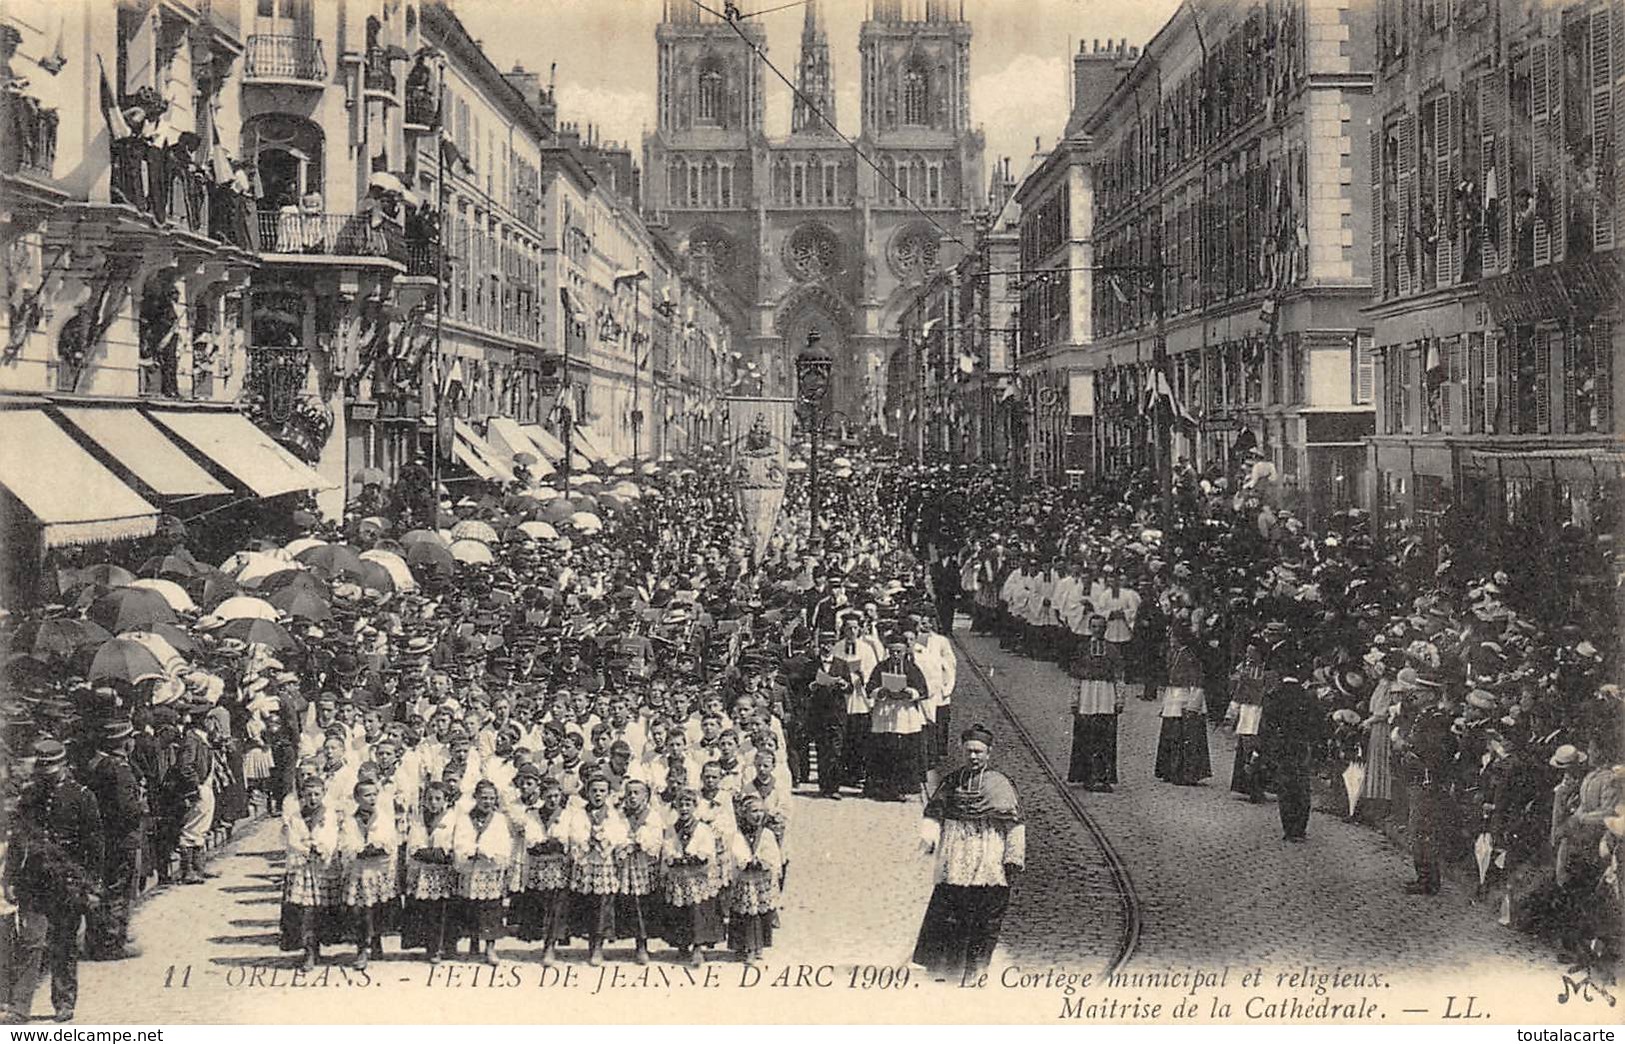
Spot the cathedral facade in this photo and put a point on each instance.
(800, 233)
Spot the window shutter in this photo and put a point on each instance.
(1495, 354)
(1573, 347)
(1455, 400)
(1475, 383)
(1543, 380)
(1602, 122)
(1406, 223)
(1379, 228)
(1444, 190)
(1602, 367)
(1557, 151)
(1540, 62)
(1364, 368)
(1489, 117)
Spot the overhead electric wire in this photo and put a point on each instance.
(771, 10)
(808, 102)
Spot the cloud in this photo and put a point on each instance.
(1025, 98)
(619, 114)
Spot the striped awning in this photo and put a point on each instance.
(553, 449)
(148, 454)
(75, 499)
(496, 469)
(504, 433)
(248, 454)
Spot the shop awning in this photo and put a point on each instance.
(251, 456)
(75, 498)
(473, 461)
(588, 444)
(552, 448)
(1569, 463)
(496, 469)
(504, 433)
(149, 454)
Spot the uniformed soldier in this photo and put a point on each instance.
(53, 872)
(191, 783)
(1429, 749)
(122, 806)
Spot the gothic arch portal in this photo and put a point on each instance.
(811, 308)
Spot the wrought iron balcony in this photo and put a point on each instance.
(378, 77)
(422, 259)
(422, 109)
(28, 144)
(287, 59)
(331, 235)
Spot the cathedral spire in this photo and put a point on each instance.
(816, 81)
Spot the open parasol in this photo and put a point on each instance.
(170, 592)
(394, 564)
(245, 607)
(474, 529)
(127, 660)
(129, 609)
(473, 552)
(253, 631)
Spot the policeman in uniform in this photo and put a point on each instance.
(53, 871)
(122, 806)
(1429, 749)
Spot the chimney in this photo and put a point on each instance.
(1094, 74)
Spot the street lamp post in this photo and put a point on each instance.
(813, 367)
(635, 278)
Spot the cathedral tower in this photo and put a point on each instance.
(915, 56)
(710, 81)
(817, 82)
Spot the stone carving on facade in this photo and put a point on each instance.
(811, 253)
(912, 252)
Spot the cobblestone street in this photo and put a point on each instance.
(1216, 881)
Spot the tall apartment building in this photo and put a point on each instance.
(1495, 177)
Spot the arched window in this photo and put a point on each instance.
(677, 183)
(708, 183)
(708, 110)
(287, 155)
(916, 96)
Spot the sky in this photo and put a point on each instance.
(605, 51)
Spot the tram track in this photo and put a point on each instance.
(1128, 899)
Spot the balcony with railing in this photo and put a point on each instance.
(422, 109)
(284, 59)
(318, 235)
(377, 77)
(422, 259)
(28, 144)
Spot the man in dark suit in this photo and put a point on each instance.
(945, 589)
(122, 807)
(1292, 732)
(1429, 750)
(53, 872)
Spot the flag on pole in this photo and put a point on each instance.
(452, 157)
(1159, 394)
(454, 378)
(118, 128)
